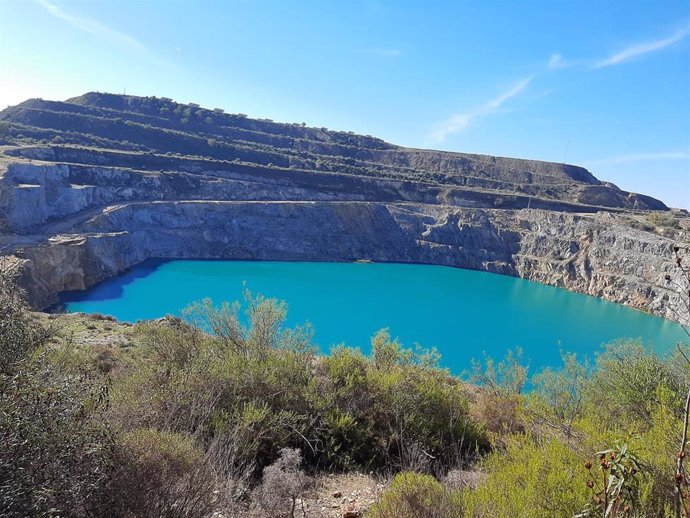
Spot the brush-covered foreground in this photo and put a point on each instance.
(167, 418)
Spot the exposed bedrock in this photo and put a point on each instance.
(33, 194)
(589, 253)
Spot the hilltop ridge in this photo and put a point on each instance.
(159, 126)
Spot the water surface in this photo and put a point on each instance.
(463, 313)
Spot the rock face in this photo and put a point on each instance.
(123, 179)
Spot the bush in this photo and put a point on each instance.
(257, 387)
(633, 396)
(663, 219)
(246, 388)
(396, 409)
(159, 474)
(56, 448)
(625, 386)
(282, 485)
(412, 495)
(535, 479)
(561, 392)
(615, 479)
(20, 332)
(499, 402)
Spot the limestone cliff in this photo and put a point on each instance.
(91, 187)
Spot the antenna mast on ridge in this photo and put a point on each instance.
(565, 155)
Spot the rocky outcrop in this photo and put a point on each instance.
(125, 179)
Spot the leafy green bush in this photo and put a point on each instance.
(624, 388)
(616, 491)
(412, 495)
(395, 409)
(530, 478)
(633, 396)
(636, 397)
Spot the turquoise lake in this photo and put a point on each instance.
(463, 313)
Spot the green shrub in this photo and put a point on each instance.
(246, 387)
(530, 478)
(260, 388)
(395, 409)
(624, 388)
(632, 396)
(663, 219)
(412, 495)
(656, 446)
(615, 479)
(499, 403)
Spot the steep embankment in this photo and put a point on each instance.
(95, 185)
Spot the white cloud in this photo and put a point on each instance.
(640, 49)
(92, 26)
(555, 61)
(640, 157)
(496, 103)
(460, 121)
(99, 30)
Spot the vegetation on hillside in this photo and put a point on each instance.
(229, 410)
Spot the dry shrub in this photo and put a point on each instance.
(282, 485)
(105, 358)
(499, 413)
(55, 446)
(101, 317)
(20, 332)
(225, 453)
(160, 474)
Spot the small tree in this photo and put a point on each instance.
(499, 401)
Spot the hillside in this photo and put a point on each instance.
(95, 184)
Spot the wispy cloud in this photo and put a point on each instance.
(102, 31)
(641, 157)
(556, 61)
(640, 49)
(92, 26)
(460, 121)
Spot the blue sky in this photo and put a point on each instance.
(601, 84)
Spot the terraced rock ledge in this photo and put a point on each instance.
(94, 185)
